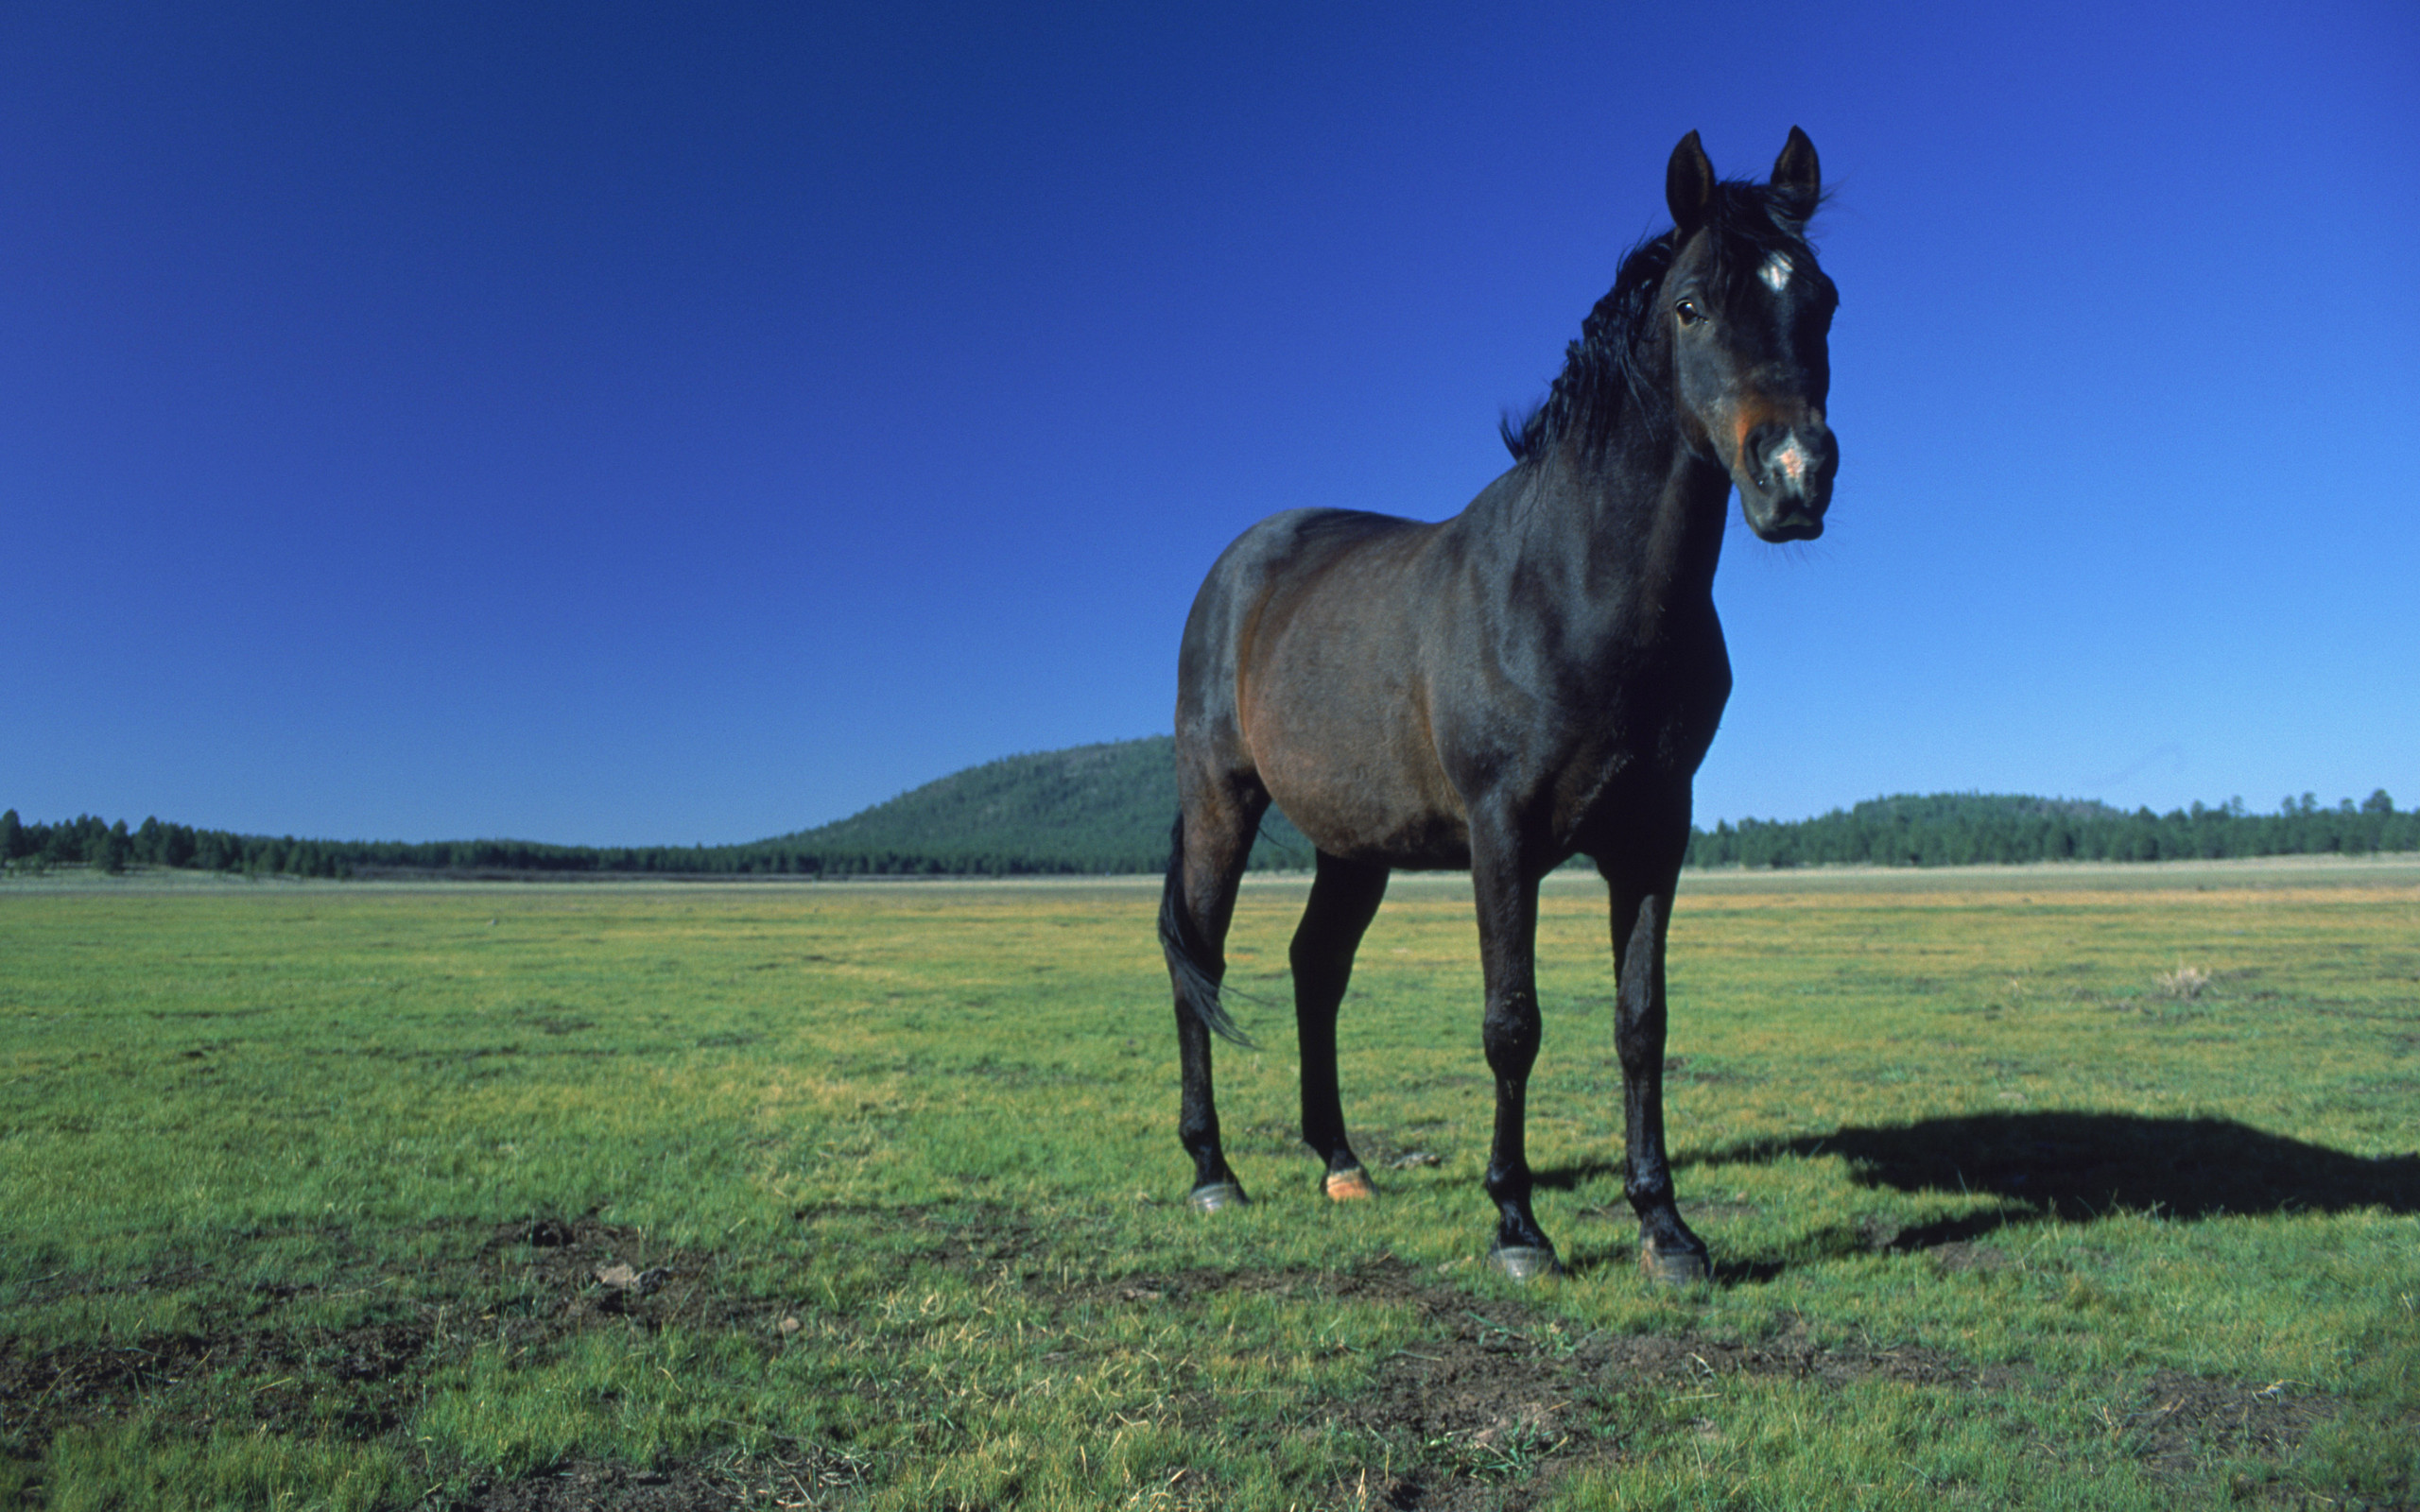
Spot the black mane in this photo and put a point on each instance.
(1748, 224)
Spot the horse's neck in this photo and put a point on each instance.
(1630, 532)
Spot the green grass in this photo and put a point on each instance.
(2039, 1188)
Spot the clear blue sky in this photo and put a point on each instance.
(632, 424)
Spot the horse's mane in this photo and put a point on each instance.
(1603, 370)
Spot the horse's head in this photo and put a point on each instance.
(1749, 314)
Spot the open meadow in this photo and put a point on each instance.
(2055, 1187)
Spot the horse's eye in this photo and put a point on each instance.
(1687, 311)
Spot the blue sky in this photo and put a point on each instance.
(638, 424)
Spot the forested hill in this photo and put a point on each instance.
(1106, 808)
(1085, 809)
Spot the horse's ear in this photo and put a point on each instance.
(1798, 180)
(1688, 185)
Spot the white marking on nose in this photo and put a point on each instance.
(1792, 460)
(1776, 271)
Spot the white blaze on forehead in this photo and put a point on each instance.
(1776, 271)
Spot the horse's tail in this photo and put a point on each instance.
(1196, 988)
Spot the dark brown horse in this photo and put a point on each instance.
(1536, 678)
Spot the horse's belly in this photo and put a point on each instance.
(1357, 772)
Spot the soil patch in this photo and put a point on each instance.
(2185, 1420)
(795, 1476)
(585, 1485)
(317, 1378)
(559, 1278)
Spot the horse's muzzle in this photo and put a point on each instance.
(1785, 479)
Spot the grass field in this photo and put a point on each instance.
(2053, 1187)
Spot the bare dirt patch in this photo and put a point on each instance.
(326, 1378)
(795, 1475)
(2187, 1419)
(560, 1278)
(583, 1485)
(1965, 1255)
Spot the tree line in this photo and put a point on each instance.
(1005, 831)
(1969, 829)
(114, 848)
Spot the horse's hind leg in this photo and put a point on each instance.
(1345, 897)
(1214, 838)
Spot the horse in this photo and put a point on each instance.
(1535, 679)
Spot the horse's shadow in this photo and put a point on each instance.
(2079, 1167)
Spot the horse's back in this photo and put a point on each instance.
(1276, 559)
(1302, 671)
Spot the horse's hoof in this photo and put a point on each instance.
(1676, 1267)
(1214, 1196)
(1350, 1186)
(1525, 1262)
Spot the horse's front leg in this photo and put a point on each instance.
(1668, 1252)
(1507, 922)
